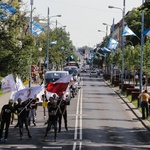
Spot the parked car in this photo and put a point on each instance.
(93, 74)
(83, 70)
(52, 76)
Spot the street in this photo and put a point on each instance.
(98, 119)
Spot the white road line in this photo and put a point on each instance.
(80, 146)
(22, 147)
(76, 122)
(81, 114)
(74, 145)
(46, 147)
(4, 147)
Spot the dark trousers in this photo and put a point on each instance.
(49, 125)
(21, 121)
(64, 115)
(5, 123)
(145, 107)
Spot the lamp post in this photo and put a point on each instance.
(48, 37)
(123, 15)
(141, 49)
(106, 28)
(40, 49)
(30, 77)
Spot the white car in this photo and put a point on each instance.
(94, 74)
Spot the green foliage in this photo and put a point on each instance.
(17, 59)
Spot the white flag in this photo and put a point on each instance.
(19, 84)
(8, 84)
(27, 93)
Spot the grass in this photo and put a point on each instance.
(1, 93)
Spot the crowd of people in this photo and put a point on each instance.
(54, 108)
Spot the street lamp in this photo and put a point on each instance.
(106, 28)
(40, 49)
(30, 77)
(123, 15)
(48, 38)
(141, 49)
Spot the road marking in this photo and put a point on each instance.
(46, 147)
(74, 145)
(78, 119)
(81, 114)
(22, 147)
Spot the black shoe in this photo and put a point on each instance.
(66, 128)
(55, 138)
(16, 126)
(45, 136)
(29, 136)
(21, 137)
(45, 123)
(59, 130)
(34, 124)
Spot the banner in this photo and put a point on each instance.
(6, 11)
(127, 31)
(8, 84)
(112, 44)
(27, 93)
(36, 29)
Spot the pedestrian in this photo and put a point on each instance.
(63, 112)
(22, 109)
(136, 79)
(53, 111)
(144, 104)
(5, 118)
(44, 104)
(33, 109)
(144, 82)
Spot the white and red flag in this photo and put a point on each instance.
(60, 86)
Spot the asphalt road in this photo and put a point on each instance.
(98, 119)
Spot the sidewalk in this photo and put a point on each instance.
(135, 110)
(4, 99)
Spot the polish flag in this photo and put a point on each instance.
(60, 86)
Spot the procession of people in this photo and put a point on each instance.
(23, 109)
(25, 114)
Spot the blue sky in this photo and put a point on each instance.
(83, 18)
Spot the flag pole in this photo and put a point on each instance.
(25, 107)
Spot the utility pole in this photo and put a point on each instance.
(30, 77)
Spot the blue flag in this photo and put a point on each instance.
(127, 31)
(105, 50)
(112, 44)
(147, 32)
(53, 43)
(6, 11)
(36, 29)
